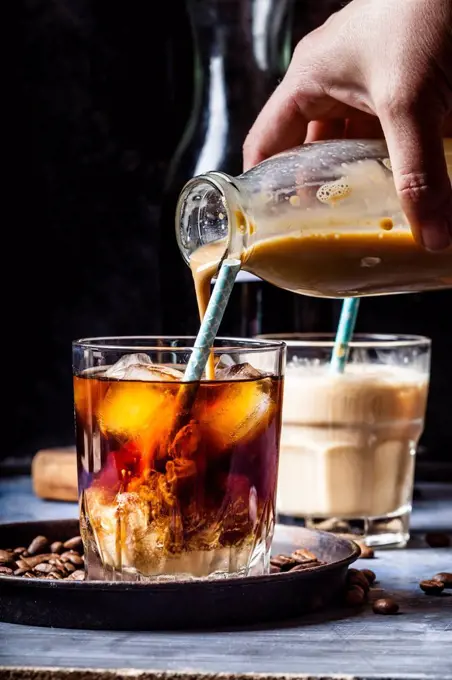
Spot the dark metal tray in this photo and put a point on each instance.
(174, 605)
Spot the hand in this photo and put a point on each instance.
(376, 62)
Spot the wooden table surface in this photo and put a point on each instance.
(416, 644)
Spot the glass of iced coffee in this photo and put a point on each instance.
(348, 441)
(177, 480)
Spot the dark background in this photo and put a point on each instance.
(104, 92)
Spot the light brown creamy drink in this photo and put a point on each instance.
(348, 440)
(339, 263)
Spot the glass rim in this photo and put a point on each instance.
(362, 340)
(248, 345)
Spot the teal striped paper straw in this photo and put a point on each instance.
(212, 319)
(344, 334)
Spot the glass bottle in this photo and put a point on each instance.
(322, 219)
(241, 49)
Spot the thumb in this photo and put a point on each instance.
(418, 162)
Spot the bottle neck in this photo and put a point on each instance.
(211, 213)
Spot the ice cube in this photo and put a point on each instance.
(152, 373)
(238, 372)
(120, 527)
(117, 371)
(140, 367)
(224, 361)
(239, 413)
(138, 410)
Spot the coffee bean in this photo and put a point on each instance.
(55, 575)
(38, 545)
(43, 568)
(56, 547)
(385, 605)
(304, 566)
(78, 575)
(74, 543)
(436, 539)
(367, 553)
(19, 551)
(76, 559)
(284, 562)
(273, 569)
(370, 575)
(354, 597)
(432, 587)
(445, 577)
(55, 561)
(29, 574)
(358, 579)
(22, 564)
(6, 571)
(69, 568)
(20, 572)
(33, 560)
(6, 557)
(302, 556)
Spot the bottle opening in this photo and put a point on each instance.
(201, 216)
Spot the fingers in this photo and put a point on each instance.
(417, 156)
(319, 130)
(362, 125)
(357, 125)
(279, 126)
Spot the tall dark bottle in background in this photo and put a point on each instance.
(241, 50)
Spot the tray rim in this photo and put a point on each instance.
(17, 581)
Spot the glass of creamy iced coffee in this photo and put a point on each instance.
(348, 441)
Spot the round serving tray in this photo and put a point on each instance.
(117, 605)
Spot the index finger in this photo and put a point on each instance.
(279, 126)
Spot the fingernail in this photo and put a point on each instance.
(435, 235)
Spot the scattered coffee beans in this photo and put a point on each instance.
(432, 587)
(21, 571)
(357, 578)
(74, 543)
(445, 577)
(283, 562)
(370, 575)
(38, 545)
(355, 597)
(6, 557)
(57, 547)
(78, 575)
(385, 605)
(60, 560)
(43, 568)
(303, 556)
(19, 551)
(299, 560)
